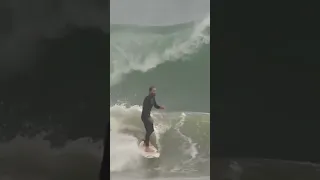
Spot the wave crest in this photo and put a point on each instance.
(134, 48)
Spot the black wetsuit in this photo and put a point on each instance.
(148, 102)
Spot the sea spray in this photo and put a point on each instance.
(182, 138)
(135, 48)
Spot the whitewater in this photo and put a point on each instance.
(176, 59)
(171, 58)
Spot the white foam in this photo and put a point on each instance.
(126, 117)
(131, 51)
(124, 152)
(191, 148)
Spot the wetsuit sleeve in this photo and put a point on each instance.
(155, 104)
(144, 102)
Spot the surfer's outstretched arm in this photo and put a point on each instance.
(157, 106)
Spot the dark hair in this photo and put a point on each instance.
(150, 88)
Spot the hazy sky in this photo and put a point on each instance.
(157, 11)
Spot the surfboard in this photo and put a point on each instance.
(154, 154)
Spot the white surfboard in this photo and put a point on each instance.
(154, 154)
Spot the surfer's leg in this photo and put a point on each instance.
(149, 130)
(146, 124)
(147, 138)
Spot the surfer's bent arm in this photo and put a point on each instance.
(156, 105)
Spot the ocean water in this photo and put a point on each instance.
(181, 137)
(169, 57)
(176, 59)
(50, 130)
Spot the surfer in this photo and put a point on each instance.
(148, 102)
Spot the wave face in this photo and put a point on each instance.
(176, 60)
(169, 57)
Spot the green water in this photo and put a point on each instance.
(176, 59)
